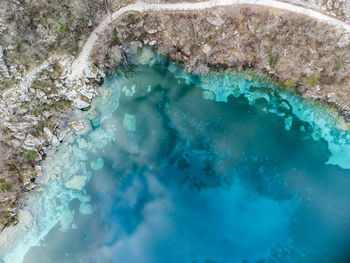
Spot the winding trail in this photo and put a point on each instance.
(82, 61)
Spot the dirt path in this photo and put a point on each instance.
(82, 60)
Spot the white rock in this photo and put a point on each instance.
(50, 137)
(80, 104)
(152, 31)
(39, 170)
(206, 49)
(80, 127)
(152, 43)
(32, 141)
(63, 133)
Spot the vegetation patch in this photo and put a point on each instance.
(290, 83)
(313, 80)
(62, 28)
(210, 42)
(272, 60)
(29, 154)
(133, 19)
(4, 187)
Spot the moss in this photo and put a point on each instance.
(62, 28)
(290, 83)
(4, 187)
(14, 220)
(313, 80)
(87, 108)
(101, 81)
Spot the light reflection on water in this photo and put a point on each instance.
(182, 175)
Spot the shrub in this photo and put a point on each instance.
(313, 80)
(290, 83)
(29, 154)
(62, 28)
(133, 19)
(210, 42)
(272, 60)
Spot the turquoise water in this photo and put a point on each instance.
(182, 168)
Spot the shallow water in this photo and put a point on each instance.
(181, 168)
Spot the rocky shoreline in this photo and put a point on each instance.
(296, 52)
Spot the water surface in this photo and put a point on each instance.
(182, 168)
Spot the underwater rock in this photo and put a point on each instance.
(129, 92)
(80, 127)
(208, 95)
(288, 122)
(82, 143)
(77, 182)
(129, 122)
(66, 220)
(147, 57)
(97, 165)
(85, 208)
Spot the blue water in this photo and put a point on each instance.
(182, 168)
